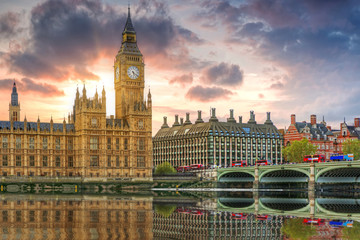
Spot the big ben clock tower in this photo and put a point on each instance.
(128, 72)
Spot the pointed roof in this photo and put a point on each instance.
(129, 28)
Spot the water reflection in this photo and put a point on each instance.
(170, 215)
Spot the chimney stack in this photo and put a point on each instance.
(357, 122)
(199, 120)
(293, 119)
(165, 123)
(231, 118)
(313, 119)
(268, 120)
(187, 121)
(240, 119)
(176, 123)
(213, 116)
(181, 121)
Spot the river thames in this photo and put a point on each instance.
(181, 215)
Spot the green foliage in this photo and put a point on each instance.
(165, 210)
(297, 150)
(352, 146)
(295, 229)
(164, 168)
(351, 233)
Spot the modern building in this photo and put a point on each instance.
(215, 142)
(327, 140)
(89, 144)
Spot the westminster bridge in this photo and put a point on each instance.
(310, 173)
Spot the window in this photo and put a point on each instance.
(57, 143)
(70, 144)
(32, 161)
(70, 162)
(117, 161)
(45, 161)
(94, 143)
(45, 216)
(4, 160)
(31, 143)
(109, 161)
(109, 143)
(140, 161)
(18, 161)
(18, 142)
(5, 142)
(141, 144)
(57, 161)
(125, 144)
(45, 143)
(94, 161)
(117, 144)
(126, 164)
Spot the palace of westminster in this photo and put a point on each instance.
(89, 144)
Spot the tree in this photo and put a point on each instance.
(352, 146)
(351, 233)
(164, 210)
(164, 168)
(298, 149)
(294, 228)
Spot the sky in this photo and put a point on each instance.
(280, 56)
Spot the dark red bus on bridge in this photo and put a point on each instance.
(314, 158)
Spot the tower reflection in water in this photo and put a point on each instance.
(225, 216)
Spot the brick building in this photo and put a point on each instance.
(327, 140)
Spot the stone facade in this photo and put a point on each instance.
(89, 144)
(217, 143)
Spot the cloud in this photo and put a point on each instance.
(223, 74)
(9, 24)
(207, 94)
(277, 85)
(26, 85)
(182, 80)
(261, 96)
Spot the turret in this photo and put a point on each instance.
(199, 119)
(231, 118)
(14, 105)
(176, 123)
(213, 116)
(187, 120)
(103, 98)
(252, 118)
(268, 120)
(149, 101)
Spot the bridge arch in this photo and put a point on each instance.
(237, 203)
(288, 175)
(339, 174)
(287, 205)
(339, 207)
(236, 176)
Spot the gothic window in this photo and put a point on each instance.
(5, 142)
(45, 161)
(18, 142)
(31, 143)
(18, 161)
(57, 161)
(4, 160)
(125, 144)
(117, 143)
(109, 161)
(70, 162)
(140, 161)
(45, 143)
(141, 144)
(117, 161)
(108, 143)
(126, 163)
(57, 143)
(94, 143)
(32, 161)
(70, 144)
(94, 161)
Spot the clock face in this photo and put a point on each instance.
(133, 72)
(117, 73)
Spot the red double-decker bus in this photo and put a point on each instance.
(314, 158)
